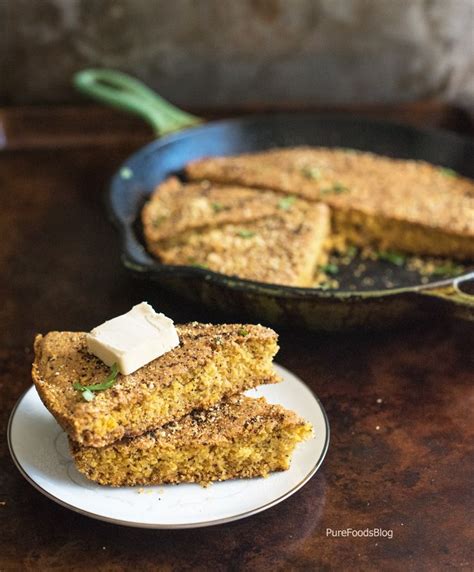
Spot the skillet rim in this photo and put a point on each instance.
(155, 268)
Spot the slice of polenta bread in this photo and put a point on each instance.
(284, 248)
(237, 438)
(175, 207)
(211, 362)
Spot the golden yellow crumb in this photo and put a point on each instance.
(237, 438)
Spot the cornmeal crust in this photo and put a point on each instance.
(175, 207)
(282, 249)
(212, 362)
(257, 235)
(238, 438)
(405, 205)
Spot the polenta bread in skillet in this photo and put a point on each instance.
(405, 205)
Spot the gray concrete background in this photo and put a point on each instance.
(231, 52)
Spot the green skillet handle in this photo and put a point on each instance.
(125, 92)
(457, 300)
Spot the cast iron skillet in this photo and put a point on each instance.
(183, 137)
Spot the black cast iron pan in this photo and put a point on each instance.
(183, 138)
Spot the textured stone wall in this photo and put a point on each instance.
(229, 52)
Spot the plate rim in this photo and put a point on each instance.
(201, 524)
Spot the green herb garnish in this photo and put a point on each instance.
(217, 207)
(448, 269)
(126, 173)
(87, 395)
(87, 390)
(194, 262)
(246, 233)
(447, 172)
(311, 173)
(339, 188)
(336, 189)
(286, 202)
(243, 332)
(330, 268)
(351, 251)
(393, 257)
(158, 220)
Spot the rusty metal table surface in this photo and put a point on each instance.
(399, 402)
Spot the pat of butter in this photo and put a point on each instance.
(133, 339)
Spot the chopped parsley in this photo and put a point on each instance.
(243, 332)
(336, 189)
(311, 173)
(330, 268)
(217, 207)
(244, 233)
(393, 257)
(158, 220)
(351, 251)
(286, 203)
(447, 172)
(448, 269)
(87, 390)
(196, 264)
(87, 395)
(126, 173)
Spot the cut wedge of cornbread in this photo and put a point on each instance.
(395, 204)
(237, 438)
(211, 362)
(283, 248)
(175, 207)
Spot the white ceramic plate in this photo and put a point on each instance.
(40, 451)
